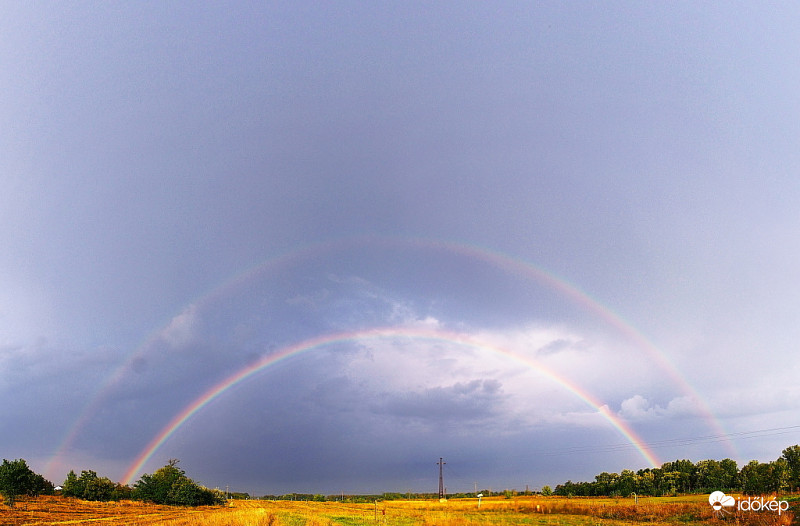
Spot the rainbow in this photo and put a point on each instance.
(371, 334)
(507, 263)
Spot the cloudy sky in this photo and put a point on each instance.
(530, 234)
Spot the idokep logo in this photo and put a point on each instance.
(719, 501)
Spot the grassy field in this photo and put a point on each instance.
(495, 511)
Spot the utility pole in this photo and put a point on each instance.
(441, 479)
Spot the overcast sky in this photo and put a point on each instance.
(188, 188)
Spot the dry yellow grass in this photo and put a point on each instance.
(493, 511)
(61, 510)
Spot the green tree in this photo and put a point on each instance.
(71, 486)
(90, 486)
(170, 485)
(566, 489)
(606, 483)
(753, 477)
(626, 484)
(546, 491)
(121, 492)
(670, 482)
(709, 476)
(16, 478)
(730, 473)
(95, 487)
(685, 473)
(781, 476)
(645, 482)
(792, 456)
(184, 492)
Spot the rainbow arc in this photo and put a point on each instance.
(372, 334)
(507, 263)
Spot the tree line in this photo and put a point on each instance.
(168, 485)
(705, 476)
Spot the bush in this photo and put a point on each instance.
(170, 485)
(16, 478)
(91, 487)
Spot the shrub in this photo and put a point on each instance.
(89, 486)
(170, 485)
(16, 478)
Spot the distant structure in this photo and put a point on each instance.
(441, 479)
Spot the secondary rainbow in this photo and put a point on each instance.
(377, 333)
(498, 259)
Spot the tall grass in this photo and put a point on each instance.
(500, 512)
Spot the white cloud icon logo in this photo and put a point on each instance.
(718, 500)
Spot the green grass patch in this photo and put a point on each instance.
(290, 519)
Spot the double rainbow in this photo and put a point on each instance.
(376, 334)
(504, 262)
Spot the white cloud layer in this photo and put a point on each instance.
(638, 408)
(182, 329)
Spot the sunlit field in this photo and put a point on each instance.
(457, 512)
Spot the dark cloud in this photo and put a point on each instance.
(474, 400)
